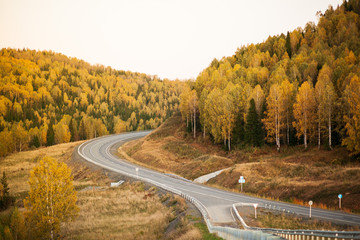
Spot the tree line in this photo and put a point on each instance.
(47, 98)
(298, 88)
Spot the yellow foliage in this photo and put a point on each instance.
(352, 142)
(52, 198)
(304, 111)
(274, 120)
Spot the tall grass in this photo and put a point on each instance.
(118, 213)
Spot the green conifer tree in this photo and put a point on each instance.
(253, 136)
(5, 186)
(50, 135)
(238, 132)
(5, 199)
(288, 44)
(35, 141)
(73, 131)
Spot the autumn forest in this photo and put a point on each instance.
(47, 98)
(299, 88)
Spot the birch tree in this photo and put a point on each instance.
(274, 114)
(202, 111)
(352, 120)
(325, 99)
(52, 198)
(184, 104)
(288, 101)
(220, 109)
(213, 110)
(304, 111)
(229, 113)
(193, 106)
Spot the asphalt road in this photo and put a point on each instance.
(101, 151)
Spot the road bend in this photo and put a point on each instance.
(101, 152)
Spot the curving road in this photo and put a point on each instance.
(101, 151)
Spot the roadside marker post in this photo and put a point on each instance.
(241, 181)
(310, 203)
(340, 197)
(255, 206)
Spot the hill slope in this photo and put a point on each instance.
(301, 88)
(168, 149)
(47, 98)
(294, 175)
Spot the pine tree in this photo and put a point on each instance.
(5, 199)
(5, 186)
(82, 130)
(50, 135)
(239, 131)
(288, 44)
(253, 126)
(73, 131)
(35, 141)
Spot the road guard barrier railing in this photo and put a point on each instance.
(297, 234)
(224, 232)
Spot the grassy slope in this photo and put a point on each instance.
(127, 212)
(293, 175)
(274, 219)
(170, 149)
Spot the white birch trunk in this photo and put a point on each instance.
(229, 142)
(288, 127)
(194, 119)
(330, 127)
(229, 131)
(192, 122)
(277, 130)
(319, 130)
(305, 130)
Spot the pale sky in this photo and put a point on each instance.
(168, 38)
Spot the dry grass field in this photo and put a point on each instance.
(17, 166)
(294, 175)
(118, 213)
(298, 178)
(130, 211)
(274, 219)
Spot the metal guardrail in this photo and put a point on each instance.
(224, 232)
(305, 233)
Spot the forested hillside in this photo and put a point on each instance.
(47, 98)
(298, 88)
